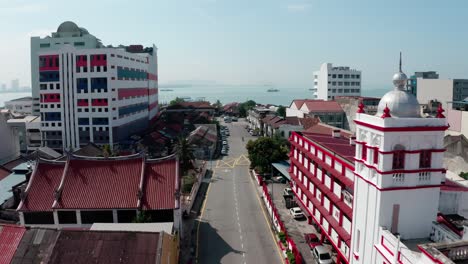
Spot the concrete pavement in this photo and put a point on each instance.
(233, 227)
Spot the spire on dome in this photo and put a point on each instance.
(400, 62)
(386, 112)
(361, 108)
(440, 111)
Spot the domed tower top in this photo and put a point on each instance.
(400, 103)
(68, 29)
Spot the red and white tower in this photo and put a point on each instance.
(398, 172)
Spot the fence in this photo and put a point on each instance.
(188, 200)
(276, 220)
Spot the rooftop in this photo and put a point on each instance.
(27, 98)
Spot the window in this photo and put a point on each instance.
(364, 152)
(79, 43)
(398, 157)
(340, 75)
(376, 156)
(425, 159)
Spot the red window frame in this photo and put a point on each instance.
(398, 160)
(425, 159)
(364, 152)
(376, 156)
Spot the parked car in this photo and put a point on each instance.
(322, 255)
(224, 152)
(312, 240)
(279, 179)
(296, 213)
(234, 119)
(288, 192)
(224, 142)
(289, 202)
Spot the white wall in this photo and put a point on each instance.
(430, 89)
(10, 148)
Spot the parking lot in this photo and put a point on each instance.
(296, 227)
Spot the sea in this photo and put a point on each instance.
(225, 94)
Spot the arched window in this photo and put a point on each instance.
(425, 159)
(398, 157)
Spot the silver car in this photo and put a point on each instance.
(322, 255)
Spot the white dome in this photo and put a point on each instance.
(68, 27)
(400, 103)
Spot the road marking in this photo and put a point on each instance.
(267, 220)
(201, 216)
(242, 161)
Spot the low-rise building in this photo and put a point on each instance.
(350, 105)
(329, 112)
(20, 105)
(330, 82)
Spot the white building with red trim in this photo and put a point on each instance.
(87, 92)
(375, 196)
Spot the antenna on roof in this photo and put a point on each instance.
(400, 61)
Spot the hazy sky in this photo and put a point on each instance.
(255, 41)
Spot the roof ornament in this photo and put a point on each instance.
(400, 78)
(386, 112)
(440, 111)
(361, 108)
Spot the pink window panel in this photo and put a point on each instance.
(49, 63)
(99, 102)
(81, 61)
(98, 60)
(50, 98)
(82, 102)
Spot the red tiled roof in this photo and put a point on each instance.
(452, 186)
(90, 184)
(292, 120)
(324, 129)
(323, 106)
(298, 103)
(4, 172)
(40, 191)
(339, 145)
(278, 123)
(160, 185)
(309, 122)
(10, 237)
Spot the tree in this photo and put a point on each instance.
(185, 153)
(281, 111)
(246, 106)
(142, 217)
(218, 105)
(264, 151)
(176, 101)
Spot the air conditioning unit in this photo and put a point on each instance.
(347, 196)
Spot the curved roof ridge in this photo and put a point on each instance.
(172, 156)
(126, 157)
(51, 161)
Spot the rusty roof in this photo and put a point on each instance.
(10, 237)
(160, 184)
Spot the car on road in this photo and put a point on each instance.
(224, 152)
(322, 255)
(279, 179)
(288, 192)
(296, 213)
(312, 240)
(224, 142)
(234, 119)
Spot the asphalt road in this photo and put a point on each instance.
(233, 227)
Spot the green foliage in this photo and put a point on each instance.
(106, 150)
(176, 101)
(282, 237)
(246, 106)
(264, 151)
(142, 217)
(218, 105)
(290, 256)
(281, 111)
(188, 182)
(185, 153)
(464, 175)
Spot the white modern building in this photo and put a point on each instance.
(87, 92)
(331, 81)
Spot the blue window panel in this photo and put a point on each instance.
(52, 116)
(82, 84)
(126, 110)
(100, 121)
(83, 121)
(98, 84)
(49, 76)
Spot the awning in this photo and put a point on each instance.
(283, 168)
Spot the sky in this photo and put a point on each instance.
(279, 42)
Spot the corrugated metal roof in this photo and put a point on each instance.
(36, 246)
(4, 172)
(136, 227)
(102, 183)
(160, 185)
(105, 247)
(10, 237)
(40, 191)
(7, 183)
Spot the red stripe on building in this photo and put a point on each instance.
(50, 63)
(81, 61)
(99, 102)
(50, 98)
(152, 105)
(130, 92)
(82, 102)
(152, 91)
(153, 77)
(403, 129)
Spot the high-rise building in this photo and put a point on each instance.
(4, 87)
(86, 92)
(15, 84)
(330, 82)
(412, 85)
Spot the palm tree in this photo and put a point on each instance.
(185, 153)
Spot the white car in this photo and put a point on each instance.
(322, 255)
(224, 142)
(296, 212)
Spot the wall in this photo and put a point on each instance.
(458, 121)
(170, 249)
(10, 148)
(430, 89)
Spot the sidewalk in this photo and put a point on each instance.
(188, 243)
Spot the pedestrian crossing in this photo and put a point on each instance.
(229, 163)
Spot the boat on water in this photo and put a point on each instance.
(166, 90)
(272, 90)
